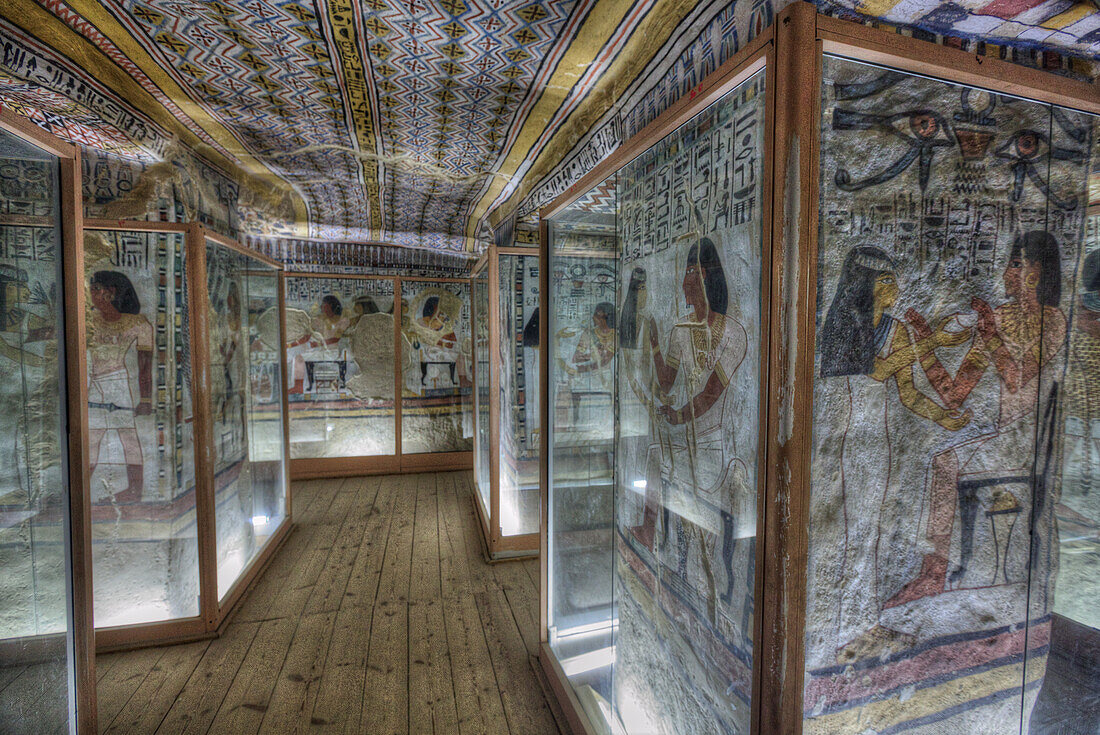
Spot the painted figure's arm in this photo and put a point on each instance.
(699, 404)
(922, 405)
(731, 357)
(934, 370)
(1017, 373)
(666, 374)
(582, 356)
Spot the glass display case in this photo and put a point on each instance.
(341, 357)
(354, 343)
(436, 368)
(246, 406)
(483, 446)
(655, 350)
(141, 426)
(47, 663)
(185, 424)
(846, 426)
(506, 289)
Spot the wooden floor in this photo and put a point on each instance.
(379, 615)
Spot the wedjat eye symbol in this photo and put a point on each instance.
(922, 130)
(1029, 149)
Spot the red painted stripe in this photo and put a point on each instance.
(1008, 8)
(936, 663)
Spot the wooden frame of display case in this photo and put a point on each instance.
(76, 406)
(312, 468)
(791, 50)
(757, 55)
(498, 546)
(213, 613)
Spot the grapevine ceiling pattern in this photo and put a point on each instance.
(399, 121)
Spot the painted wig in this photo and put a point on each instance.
(628, 332)
(126, 299)
(714, 276)
(1040, 247)
(847, 340)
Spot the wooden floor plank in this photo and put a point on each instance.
(477, 692)
(158, 692)
(431, 693)
(205, 691)
(328, 591)
(340, 694)
(295, 690)
(379, 616)
(126, 672)
(385, 704)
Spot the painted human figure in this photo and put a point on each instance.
(873, 352)
(590, 366)
(435, 338)
(331, 323)
(115, 328)
(704, 352)
(596, 347)
(231, 330)
(1017, 339)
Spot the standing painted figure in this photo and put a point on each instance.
(116, 327)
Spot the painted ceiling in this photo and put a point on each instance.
(402, 121)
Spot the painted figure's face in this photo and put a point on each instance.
(600, 319)
(886, 290)
(643, 296)
(102, 297)
(694, 292)
(326, 309)
(1021, 276)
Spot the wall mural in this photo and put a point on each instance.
(519, 394)
(140, 423)
(245, 403)
(688, 379)
(714, 32)
(340, 367)
(946, 272)
(437, 367)
(32, 589)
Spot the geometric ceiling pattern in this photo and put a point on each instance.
(407, 121)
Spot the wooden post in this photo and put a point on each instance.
(76, 388)
(797, 90)
(494, 400)
(203, 435)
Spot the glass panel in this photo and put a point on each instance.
(436, 363)
(246, 405)
(519, 394)
(946, 264)
(36, 669)
(690, 233)
(340, 357)
(481, 335)
(1065, 579)
(140, 421)
(581, 424)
